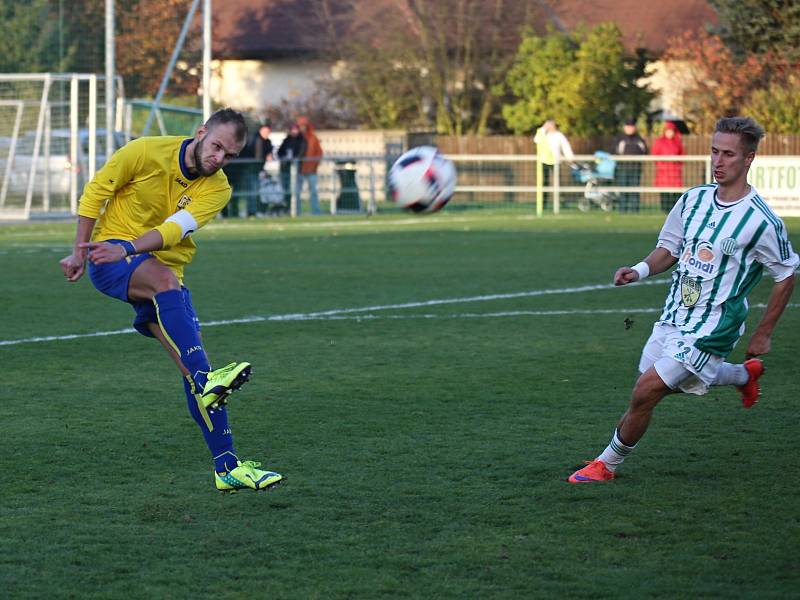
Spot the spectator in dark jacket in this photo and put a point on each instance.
(291, 149)
(244, 172)
(629, 173)
(262, 145)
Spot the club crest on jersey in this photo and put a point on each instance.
(729, 246)
(690, 290)
(702, 259)
(184, 202)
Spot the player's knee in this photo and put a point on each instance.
(164, 280)
(152, 278)
(649, 390)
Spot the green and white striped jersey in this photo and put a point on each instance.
(722, 250)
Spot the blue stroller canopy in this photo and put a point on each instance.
(604, 165)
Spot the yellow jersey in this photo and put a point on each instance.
(143, 184)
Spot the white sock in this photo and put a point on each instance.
(730, 374)
(615, 452)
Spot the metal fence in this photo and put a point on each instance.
(358, 184)
(774, 144)
(589, 182)
(343, 185)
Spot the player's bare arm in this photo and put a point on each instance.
(105, 252)
(658, 261)
(760, 341)
(73, 265)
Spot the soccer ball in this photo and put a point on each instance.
(422, 180)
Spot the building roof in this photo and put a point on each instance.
(250, 29)
(645, 25)
(260, 29)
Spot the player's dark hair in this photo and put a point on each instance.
(746, 128)
(228, 115)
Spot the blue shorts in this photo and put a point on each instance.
(113, 279)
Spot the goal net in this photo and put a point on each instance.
(52, 140)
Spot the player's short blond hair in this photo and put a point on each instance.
(746, 128)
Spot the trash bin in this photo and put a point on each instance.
(348, 198)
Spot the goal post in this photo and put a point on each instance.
(50, 140)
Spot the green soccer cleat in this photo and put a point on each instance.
(246, 476)
(222, 382)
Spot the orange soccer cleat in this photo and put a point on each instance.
(750, 391)
(595, 470)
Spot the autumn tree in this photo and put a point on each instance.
(382, 88)
(430, 63)
(584, 80)
(766, 32)
(69, 36)
(147, 31)
(716, 83)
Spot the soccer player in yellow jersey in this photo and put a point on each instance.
(135, 223)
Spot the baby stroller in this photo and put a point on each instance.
(593, 175)
(270, 194)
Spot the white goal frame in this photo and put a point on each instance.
(43, 126)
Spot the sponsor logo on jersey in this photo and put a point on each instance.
(711, 225)
(690, 290)
(702, 260)
(705, 251)
(729, 246)
(181, 182)
(184, 202)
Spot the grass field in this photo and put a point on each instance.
(426, 385)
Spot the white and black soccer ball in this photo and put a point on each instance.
(422, 180)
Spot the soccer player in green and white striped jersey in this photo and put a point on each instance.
(722, 237)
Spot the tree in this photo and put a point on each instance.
(717, 83)
(29, 37)
(429, 63)
(584, 80)
(147, 31)
(381, 87)
(776, 108)
(766, 32)
(759, 26)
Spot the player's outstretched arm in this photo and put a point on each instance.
(658, 261)
(74, 265)
(761, 340)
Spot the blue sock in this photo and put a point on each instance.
(220, 440)
(181, 332)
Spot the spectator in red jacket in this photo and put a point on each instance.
(309, 163)
(669, 174)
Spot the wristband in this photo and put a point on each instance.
(129, 247)
(643, 269)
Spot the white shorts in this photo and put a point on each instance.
(676, 360)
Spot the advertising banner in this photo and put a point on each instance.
(777, 179)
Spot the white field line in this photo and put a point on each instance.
(353, 313)
(333, 312)
(339, 223)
